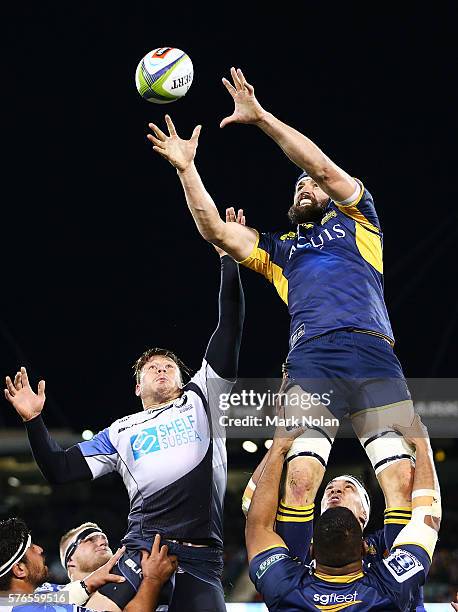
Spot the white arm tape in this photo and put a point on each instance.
(76, 594)
(416, 532)
(435, 509)
(426, 493)
(354, 196)
(247, 496)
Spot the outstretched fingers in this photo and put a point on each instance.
(10, 390)
(196, 132)
(244, 82)
(159, 143)
(18, 381)
(235, 77)
(24, 377)
(228, 85)
(169, 122)
(159, 133)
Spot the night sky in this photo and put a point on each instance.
(101, 258)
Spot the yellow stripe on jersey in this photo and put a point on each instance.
(284, 508)
(396, 521)
(270, 547)
(259, 261)
(401, 544)
(340, 579)
(337, 607)
(370, 246)
(294, 519)
(398, 508)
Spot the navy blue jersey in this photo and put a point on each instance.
(329, 274)
(386, 585)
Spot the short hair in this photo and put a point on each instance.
(72, 532)
(152, 352)
(337, 538)
(13, 532)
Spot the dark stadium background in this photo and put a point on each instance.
(101, 258)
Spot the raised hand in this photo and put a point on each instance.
(20, 394)
(231, 217)
(179, 152)
(158, 565)
(103, 575)
(247, 108)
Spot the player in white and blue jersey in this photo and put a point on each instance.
(171, 456)
(23, 569)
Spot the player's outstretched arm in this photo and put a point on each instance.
(298, 148)
(56, 464)
(224, 346)
(237, 240)
(157, 567)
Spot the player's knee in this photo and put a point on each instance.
(397, 482)
(303, 477)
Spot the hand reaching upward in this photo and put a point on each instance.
(179, 152)
(20, 394)
(247, 108)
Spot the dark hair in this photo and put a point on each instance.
(337, 538)
(152, 352)
(13, 532)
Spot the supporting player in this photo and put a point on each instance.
(83, 549)
(329, 271)
(294, 524)
(339, 577)
(171, 456)
(23, 570)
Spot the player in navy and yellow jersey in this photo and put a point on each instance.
(328, 269)
(294, 524)
(339, 580)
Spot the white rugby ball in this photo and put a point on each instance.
(164, 75)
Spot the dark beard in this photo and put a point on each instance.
(313, 213)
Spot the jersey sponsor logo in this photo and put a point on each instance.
(267, 564)
(145, 442)
(288, 236)
(402, 564)
(175, 433)
(300, 331)
(335, 601)
(327, 216)
(319, 241)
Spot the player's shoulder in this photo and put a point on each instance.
(399, 566)
(126, 422)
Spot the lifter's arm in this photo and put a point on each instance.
(56, 464)
(157, 567)
(298, 148)
(237, 240)
(259, 532)
(425, 478)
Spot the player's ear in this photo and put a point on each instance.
(19, 570)
(137, 389)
